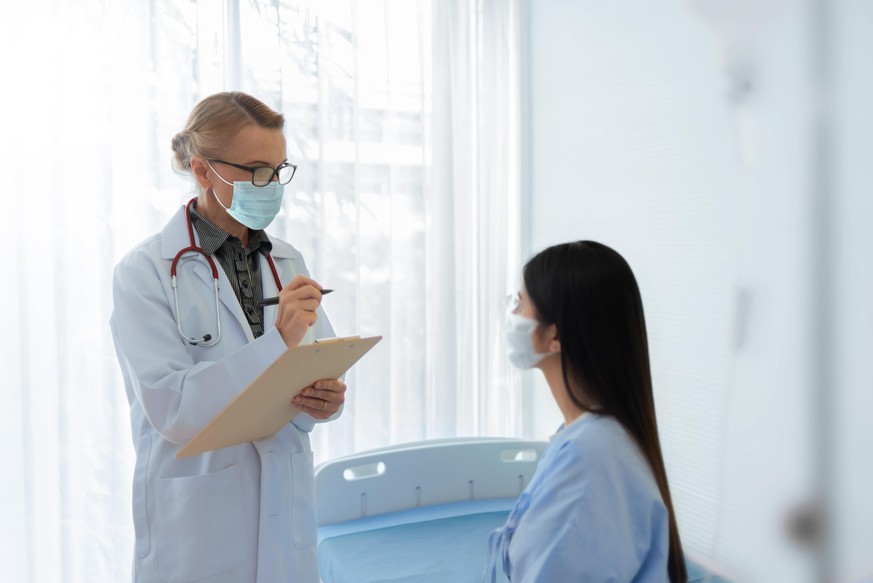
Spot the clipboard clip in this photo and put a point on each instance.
(337, 339)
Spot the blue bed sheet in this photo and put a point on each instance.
(437, 544)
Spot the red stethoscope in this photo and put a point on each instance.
(206, 339)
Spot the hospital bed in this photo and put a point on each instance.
(422, 512)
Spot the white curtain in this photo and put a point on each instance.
(403, 118)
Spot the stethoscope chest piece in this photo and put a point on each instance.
(206, 340)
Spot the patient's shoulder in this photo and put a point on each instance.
(599, 445)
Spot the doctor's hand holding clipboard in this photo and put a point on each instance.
(297, 313)
(194, 322)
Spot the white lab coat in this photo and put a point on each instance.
(241, 514)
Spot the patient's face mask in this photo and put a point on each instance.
(253, 206)
(518, 335)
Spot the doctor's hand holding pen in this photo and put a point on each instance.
(298, 302)
(298, 305)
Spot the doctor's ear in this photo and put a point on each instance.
(200, 171)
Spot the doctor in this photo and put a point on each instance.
(190, 341)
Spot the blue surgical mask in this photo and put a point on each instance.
(253, 206)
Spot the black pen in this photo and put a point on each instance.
(274, 301)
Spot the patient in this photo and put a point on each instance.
(598, 507)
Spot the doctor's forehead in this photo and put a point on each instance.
(257, 144)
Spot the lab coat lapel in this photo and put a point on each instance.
(283, 258)
(269, 290)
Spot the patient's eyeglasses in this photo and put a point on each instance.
(513, 302)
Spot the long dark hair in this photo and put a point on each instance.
(589, 293)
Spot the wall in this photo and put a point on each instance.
(722, 207)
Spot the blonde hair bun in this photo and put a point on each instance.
(215, 121)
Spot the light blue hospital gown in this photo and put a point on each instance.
(592, 512)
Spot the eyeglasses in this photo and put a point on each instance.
(264, 175)
(513, 302)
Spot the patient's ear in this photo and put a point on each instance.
(554, 342)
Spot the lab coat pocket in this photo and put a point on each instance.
(140, 503)
(200, 527)
(303, 500)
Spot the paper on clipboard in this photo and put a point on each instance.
(264, 407)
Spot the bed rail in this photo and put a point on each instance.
(423, 473)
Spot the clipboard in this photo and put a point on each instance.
(264, 407)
